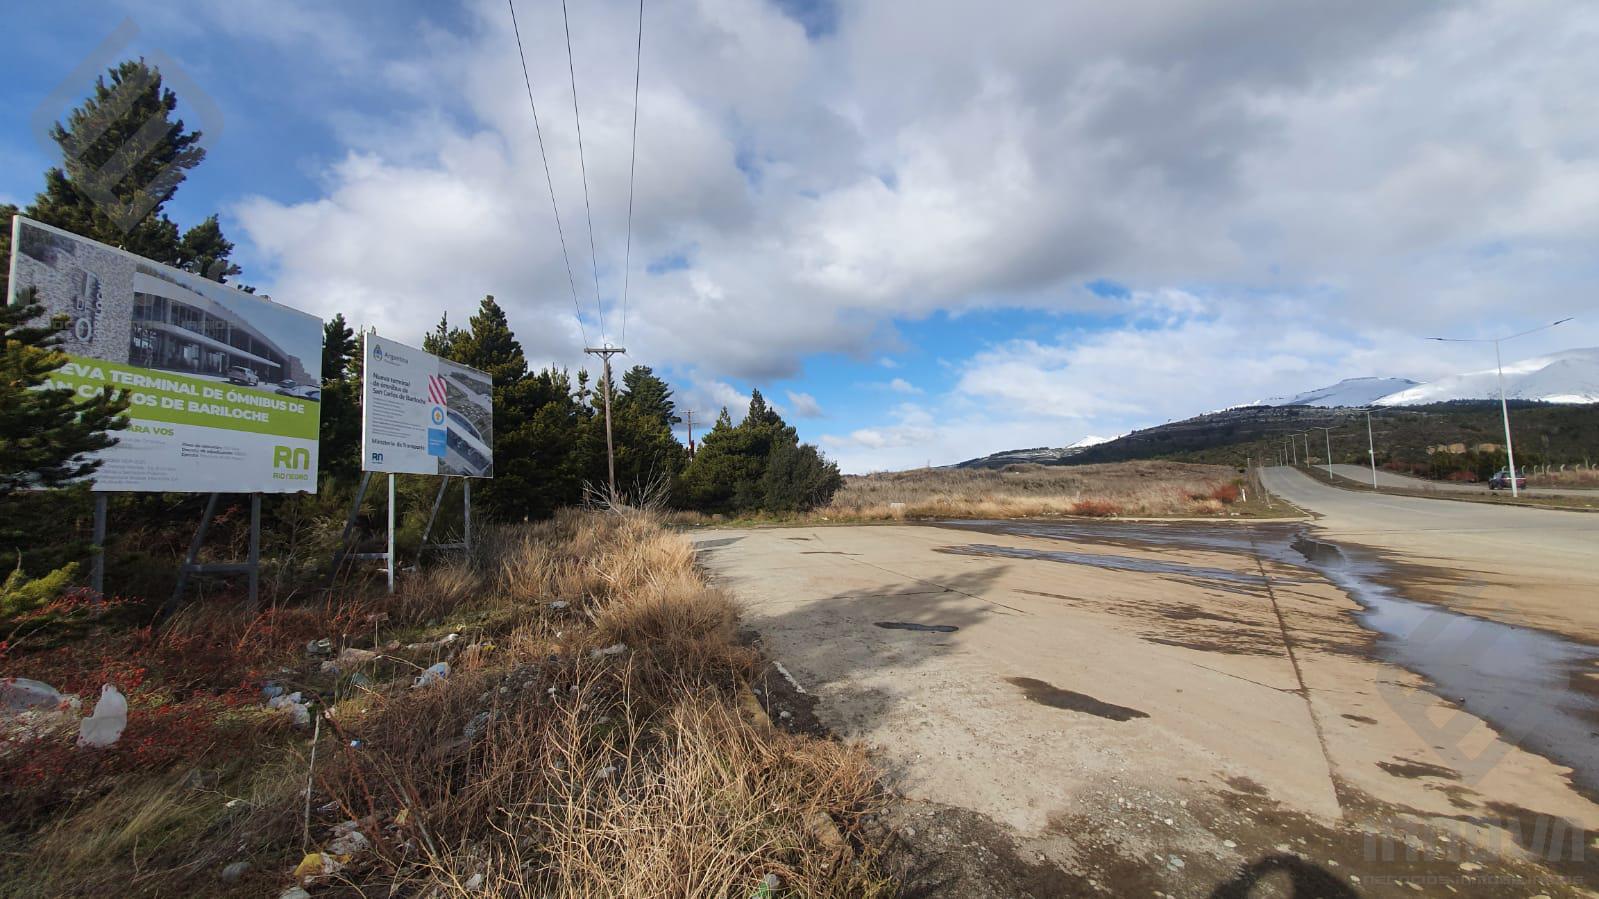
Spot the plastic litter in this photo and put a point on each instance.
(615, 650)
(322, 647)
(349, 843)
(233, 872)
(294, 893)
(317, 864)
(110, 718)
(18, 694)
(299, 710)
(435, 673)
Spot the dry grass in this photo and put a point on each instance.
(542, 767)
(1153, 489)
(1571, 477)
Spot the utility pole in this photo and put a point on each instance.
(1504, 407)
(605, 353)
(1371, 450)
(1327, 433)
(688, 416)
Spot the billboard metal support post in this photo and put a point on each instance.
(390, 554)
(349, 524)
(466, 522)
(191, 565)
(97, 575)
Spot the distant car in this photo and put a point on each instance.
(1501, 480)
(299, 391)
(238, 374)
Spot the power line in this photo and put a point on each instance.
(632, 167)
(571, 282)
(594, 260)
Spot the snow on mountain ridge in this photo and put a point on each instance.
(1348, 392)
(1571, 376)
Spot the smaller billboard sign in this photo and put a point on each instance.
(424, 415)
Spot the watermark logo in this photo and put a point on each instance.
(126, 205)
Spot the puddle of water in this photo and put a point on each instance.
(913, 626)
(1526, 683)
(1046, 693)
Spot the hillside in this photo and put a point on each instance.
(1545, 433)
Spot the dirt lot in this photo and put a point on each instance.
(1103, 716)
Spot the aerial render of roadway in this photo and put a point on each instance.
(1375, 695)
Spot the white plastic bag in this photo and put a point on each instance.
(434, 674)
(18, 694)
(110, 718)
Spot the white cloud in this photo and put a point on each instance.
(804, 405)
(900, 385)
(1297, 189)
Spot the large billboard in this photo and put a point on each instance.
(225, 385)
(424, 415)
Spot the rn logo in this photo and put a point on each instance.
(292, 458)
(377, 457)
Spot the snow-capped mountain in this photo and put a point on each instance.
(1571, 376)
(1348, 392)
(1089, 441)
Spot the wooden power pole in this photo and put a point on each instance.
(605, 353)
(688, 416)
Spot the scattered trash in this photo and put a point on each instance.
(355, 744)
(234, 803)
(318, 864)
(18, 694)
(435, 673)
(233, 872)
(475, 726)
(785, 714)
(402, 817)
(614, 650)
(294, 893)
(349, 843)
(322, 647)
(475, 882)
(299, 710)
(476, 654)
(768, 887)
(360, 680)
(110, 718)
(559, 604)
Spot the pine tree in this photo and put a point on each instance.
(340, 427)
(204, 251)
(339, 348)
(124, 156)
(649, 395)
(46, 432)
(489, 345)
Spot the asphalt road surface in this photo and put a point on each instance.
(1138, 707)
(1361, 475)
(1517, 564)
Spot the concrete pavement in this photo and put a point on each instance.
(1167, 701)
(1516, 564)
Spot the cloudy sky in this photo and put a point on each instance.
(927, 230)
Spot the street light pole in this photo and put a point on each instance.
(1504, 405)
(1371, 450)
(1327, 433)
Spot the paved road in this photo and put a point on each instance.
(1114, 700)
(1360, 474)
(1538, 567)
